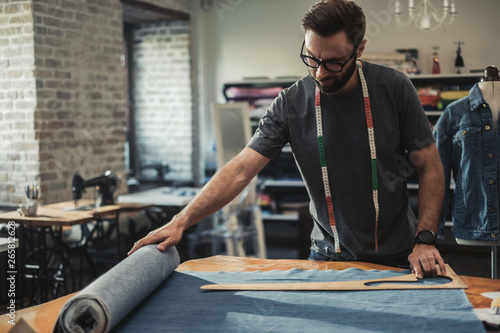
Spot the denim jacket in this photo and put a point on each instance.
(466, 141)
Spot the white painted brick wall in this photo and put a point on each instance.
(18, 147)
(162, 97)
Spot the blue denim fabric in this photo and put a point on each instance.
(110, 298)
(178, 305)
(466, 141)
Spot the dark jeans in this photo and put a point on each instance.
(399, 262)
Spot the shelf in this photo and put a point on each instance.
(252, 90)
(433, 113)
(442, 76)
(262, 83)
(444, 79)
(413, 186)
(283, 183)
(294, 217)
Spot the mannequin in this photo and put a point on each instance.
(490, 89)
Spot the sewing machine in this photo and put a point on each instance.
(106, 184)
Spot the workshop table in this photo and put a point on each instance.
(166, 201)
(4, 243)
(166, 197)
(42, 318)
(47, 264)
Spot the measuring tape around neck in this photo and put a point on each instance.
(324, 168)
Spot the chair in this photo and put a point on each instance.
(238, 227)
(239, 222)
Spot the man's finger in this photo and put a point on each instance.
(134, 248)
(433, 268)
(418, 272)
(149, 239)
(429, 265)
(163, 246)
(415, 268)
(442, 265)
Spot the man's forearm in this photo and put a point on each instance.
(224, 186)
(430, 200)
(424, 257)
(431, 189)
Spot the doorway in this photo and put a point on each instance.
(160, 107)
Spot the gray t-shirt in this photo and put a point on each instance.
(400, 125)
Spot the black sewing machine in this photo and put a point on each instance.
(106, 185)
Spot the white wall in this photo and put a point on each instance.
(240, 38)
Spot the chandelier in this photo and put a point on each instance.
(425, 16)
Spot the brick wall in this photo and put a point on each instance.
(80, 117)
(64, 106)
(18, 145)
(63, 93)
(162, 97)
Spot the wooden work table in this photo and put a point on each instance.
(41, 236)
(42, 318)
(65, 214)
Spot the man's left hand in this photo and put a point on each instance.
(423, 261)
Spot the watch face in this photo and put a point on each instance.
(427, 236)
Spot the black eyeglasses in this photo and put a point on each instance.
(330, 65)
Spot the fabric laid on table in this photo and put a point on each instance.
(102, 304)
(179, 305)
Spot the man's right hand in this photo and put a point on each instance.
(166, 236)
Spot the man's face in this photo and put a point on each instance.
(335, 48)
(334, 82)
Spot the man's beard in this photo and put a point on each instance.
(339, 81)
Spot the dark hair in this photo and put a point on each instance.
(329, 17)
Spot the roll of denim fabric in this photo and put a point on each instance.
(106, 301)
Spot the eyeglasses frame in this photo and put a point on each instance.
(322, 62)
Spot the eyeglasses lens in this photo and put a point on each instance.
(331, 66)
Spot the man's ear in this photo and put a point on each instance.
(361, 49)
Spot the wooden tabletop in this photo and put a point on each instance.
(42, 318)
(65, 213)
(476, 285)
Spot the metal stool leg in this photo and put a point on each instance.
(493, 262)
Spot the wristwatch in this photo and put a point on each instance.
(426, 237)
